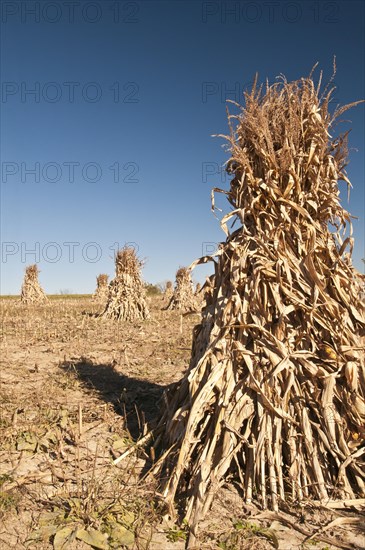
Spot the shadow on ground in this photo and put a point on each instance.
(138, 400)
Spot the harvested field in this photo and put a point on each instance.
(79, 391)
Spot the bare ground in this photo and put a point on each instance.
(75, 394)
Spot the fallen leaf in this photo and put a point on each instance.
(93, 538)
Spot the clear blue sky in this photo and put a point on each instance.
(143, 89)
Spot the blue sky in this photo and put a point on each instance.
(114, 144)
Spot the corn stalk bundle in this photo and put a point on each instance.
(275, 393)
(31, 291)
(102, 290)
(167, 295)
(183, 296)
(127, 294)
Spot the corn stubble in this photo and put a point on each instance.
(127, 295)
(31, 291)
(274, 395)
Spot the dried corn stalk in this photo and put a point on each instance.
(275, 392)
(199, 296)
(169, 291)
(127, 294)
(101, 293)
(183, 296)
(31, 291)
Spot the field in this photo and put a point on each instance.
(76, 393)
